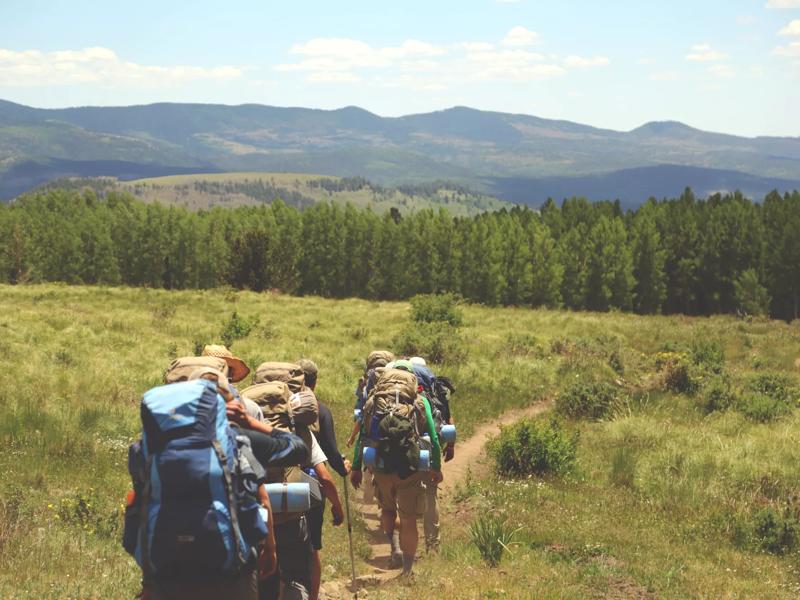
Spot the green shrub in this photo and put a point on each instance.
(492, 536)
(718, 395)
(88, 511)
(774, 533)
(708, 354)
(679, 375)
(437, 342)
(436, 308)
(777, 386)
(762, 409)
(532, 448)
(237, 328)
(523, 344)
(592, 401)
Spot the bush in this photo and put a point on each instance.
(762, 409)
(777, 386)
(531, 448)
(436, 308)
(592, 401)
(678, 374)
(491, 535)
(718, 395)
(708, 354)
(523, 344)
(237, 328)
(774, 533)
(437, 342)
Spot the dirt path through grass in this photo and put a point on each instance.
(469, 460)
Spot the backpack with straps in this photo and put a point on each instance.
(278, 404)
(393, 422)
(189, 512)
(437, 390)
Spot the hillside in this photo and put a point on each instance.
(479, 148)
(207, 190)
(685, 487)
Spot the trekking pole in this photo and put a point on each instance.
(350, 536)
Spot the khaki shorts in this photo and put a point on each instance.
(406, 496)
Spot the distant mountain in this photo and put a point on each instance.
(634, 186)
(489, 151)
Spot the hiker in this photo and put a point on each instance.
(436, 391)
(394, 420)
(193, 521)
(376, 360)
(327, 441)
(288, 403)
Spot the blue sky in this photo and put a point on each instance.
(730, 66)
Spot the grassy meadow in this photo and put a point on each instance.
(686, 486)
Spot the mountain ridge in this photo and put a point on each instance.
(463, 144)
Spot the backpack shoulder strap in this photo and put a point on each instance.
(231, 500)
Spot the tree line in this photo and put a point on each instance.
(722, 254)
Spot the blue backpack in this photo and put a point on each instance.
(437, 390)
(190, 515)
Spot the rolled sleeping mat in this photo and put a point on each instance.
(424, 460)
(370, 457)
(289, 497)
(448, 434)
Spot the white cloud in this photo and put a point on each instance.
(791, 50)
(578, 62)
(476, 46)
(722, 71)
(793, 28)
(338, 56)
(665, 76)
(334, 77)
(520, 36)
(746, 19)
(783, 4)
(646, 61)
(704, 53)
(97, 65)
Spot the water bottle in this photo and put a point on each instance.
(424, 460)
(448, 434)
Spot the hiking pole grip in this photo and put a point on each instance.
(350, 534)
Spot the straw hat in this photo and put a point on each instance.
(237, 368)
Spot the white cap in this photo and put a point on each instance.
(390, 365)
(418, 360)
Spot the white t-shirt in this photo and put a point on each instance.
(317, 455)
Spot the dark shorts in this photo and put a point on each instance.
(294, 559)
(315, 518)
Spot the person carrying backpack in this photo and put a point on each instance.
(326, 436)
(376, 361)
(437, 390)
(395, 419)
(192, 521)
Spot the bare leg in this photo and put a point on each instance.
(409, 538)
(316, 575)
(431, 521)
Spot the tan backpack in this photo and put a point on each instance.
(181, 368)
(289, 373)
(278, 404)
(378, 358)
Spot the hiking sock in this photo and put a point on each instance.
(395, 541)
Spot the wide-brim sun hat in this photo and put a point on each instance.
(237, 368)
(418, 360)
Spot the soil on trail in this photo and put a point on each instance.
(469, 459)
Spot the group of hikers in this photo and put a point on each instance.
(230, 486)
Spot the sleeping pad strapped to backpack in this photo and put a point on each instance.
(190, 515)
(394, 417)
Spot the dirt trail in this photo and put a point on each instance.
(468, 458)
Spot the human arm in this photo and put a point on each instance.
(277, 449)
(327, 440)
(268, 558)
(330, 492)
(237, 414)
(355, 472)
(436, 451)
